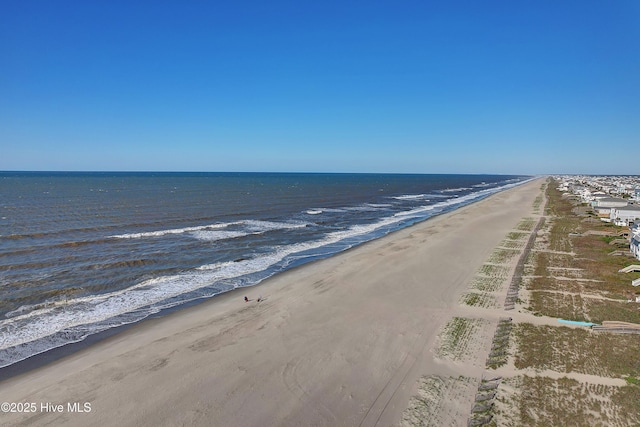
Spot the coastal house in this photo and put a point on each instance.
(624, 215)
(603, 213)
(576, 188)
(634, 245)
(602, 206)
(581, 191)
(586, 195)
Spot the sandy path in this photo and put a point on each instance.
(342, 341)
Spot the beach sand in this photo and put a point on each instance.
(339, 342)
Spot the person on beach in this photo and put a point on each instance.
(246, 299)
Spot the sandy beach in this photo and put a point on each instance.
(338, 342)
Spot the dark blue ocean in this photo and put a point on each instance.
(81, 253)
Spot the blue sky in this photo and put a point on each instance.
(529, 87)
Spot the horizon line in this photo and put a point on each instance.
(257, 172)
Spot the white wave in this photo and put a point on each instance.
(333, 210)
(28, 308)
(314, 211)
(213, 236)
(421, 210)
(361, 208)
(159, 233)
(43, 322)
(258, 225)
(252, 226)
(456, 201)
(410, 197)
(76, 312)
(379, 205)
(455, 190)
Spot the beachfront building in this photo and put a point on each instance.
(603, 213)
(625, 215)
(602, 206)
(581, 191)
(635, 240)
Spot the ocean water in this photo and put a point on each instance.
(81, 253)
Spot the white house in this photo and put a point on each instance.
(634, 246)
(624, 215)
(603, 206)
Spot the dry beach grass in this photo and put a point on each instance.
(557, 375)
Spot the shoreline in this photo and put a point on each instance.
(56, 353)
(290, 311)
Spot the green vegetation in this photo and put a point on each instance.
(479, 299)
(551, 402)
(495, 271)
(633, 380)
(517, 235)
(513, 244)
(584, 247)
(456, 336)
(502, 256)
(570, 274)
(471, 299)
(622, 311)
(564, 349)
(526, 224)
(486, 284)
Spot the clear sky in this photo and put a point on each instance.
(523, 87)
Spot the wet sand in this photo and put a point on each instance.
(341, 341)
